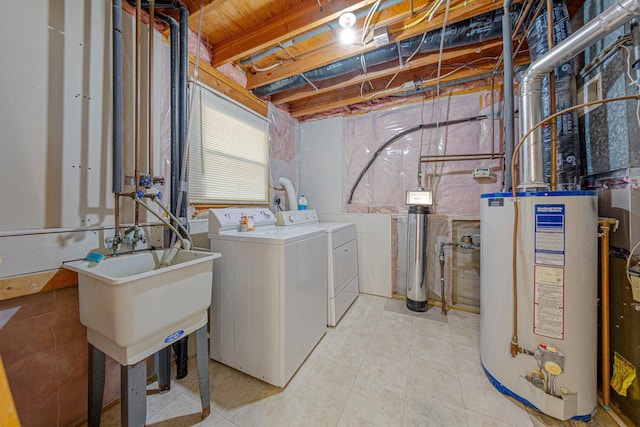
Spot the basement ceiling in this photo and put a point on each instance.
(280, 40)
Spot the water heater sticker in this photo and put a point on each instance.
(550, 234)
(496, 202)
(548, 313)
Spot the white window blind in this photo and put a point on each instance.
(228, 151)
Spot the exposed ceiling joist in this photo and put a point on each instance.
(352, 96)
(283, 27)
(338, 51)
(464, 54)
(207, 6)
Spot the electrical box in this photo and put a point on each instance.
(418, 198)
(381, 36)
(481, 173)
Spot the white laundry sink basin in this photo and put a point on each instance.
(132, 308)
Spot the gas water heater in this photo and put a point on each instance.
(557, 292)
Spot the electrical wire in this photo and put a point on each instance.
(267, 68)
(605, 53)
(440, 53)
(633, 81)
(417, 49)
(406, 85)
(424, 98)
(433, 10)
(367, 20)
(438, 176)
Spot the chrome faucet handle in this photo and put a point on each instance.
(111, 243)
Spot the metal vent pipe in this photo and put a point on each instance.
(532, 175)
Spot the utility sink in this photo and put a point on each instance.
(132, 308)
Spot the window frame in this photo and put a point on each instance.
(199, 91)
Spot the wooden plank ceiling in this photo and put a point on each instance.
(272, 40)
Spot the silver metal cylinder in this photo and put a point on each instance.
(416, 258)
(532, 170)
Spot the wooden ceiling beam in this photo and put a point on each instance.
(468, 53)
(216, 80)
(350, 96)
(337, 51)
(194, 10)
(294, 22)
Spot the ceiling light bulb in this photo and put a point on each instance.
(348, 36)
(347, 20)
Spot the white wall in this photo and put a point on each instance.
(55, 117)
(322, 180)
(321, 160)
(374, 250)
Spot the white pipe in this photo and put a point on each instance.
(182, 242)
(531, 86)
(291, 193)
(176, 220)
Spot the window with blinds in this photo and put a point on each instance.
(228, 152)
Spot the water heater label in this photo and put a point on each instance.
(550, 234)
(548, 313)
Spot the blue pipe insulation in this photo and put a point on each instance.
(320, 30)
(116, 15)
(480, 28)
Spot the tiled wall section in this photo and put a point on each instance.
(44, 348)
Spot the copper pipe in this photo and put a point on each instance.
(152, 12)
(523, 16)
(443, 299)
(552, 100)
(605, 227)
(514, 258)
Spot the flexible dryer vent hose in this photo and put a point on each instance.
(291, 193)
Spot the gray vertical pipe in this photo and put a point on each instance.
(182, 95)
(175, 117)
(182, 84)
(116, 97)
(509, 121)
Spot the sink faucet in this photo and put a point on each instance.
(132, 241)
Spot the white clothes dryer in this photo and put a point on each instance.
(342, 259)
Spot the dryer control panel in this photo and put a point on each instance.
(288, 218)
(229, 218)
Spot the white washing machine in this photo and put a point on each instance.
(342, 257)
(269, 306)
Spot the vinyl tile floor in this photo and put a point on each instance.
(382, 366)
